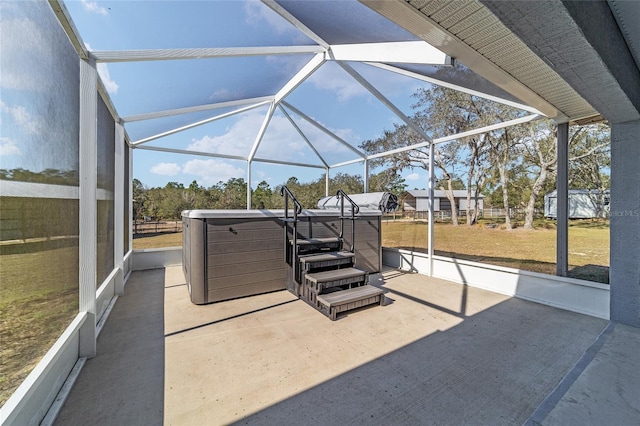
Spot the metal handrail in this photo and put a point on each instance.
(287, 194)
(355, 209)
(297, 209)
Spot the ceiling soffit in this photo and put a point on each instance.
(585, 47)
(469, 32)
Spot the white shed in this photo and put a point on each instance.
(583, 204)
(418, 200)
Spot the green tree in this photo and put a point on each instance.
(262, 196)
(140, 196)
(441, 112)
(387, 181)
(234, 194)
(348, 183)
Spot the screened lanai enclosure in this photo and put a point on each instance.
(92, 91)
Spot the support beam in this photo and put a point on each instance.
(323, 129)
(88, 205)
(624, 270)
(261, 132)
(455, 87)
(449, 138)
(412, 52)
(102, 92)
(130, 165)
(346, 163)
(187, 152)
(69, 27)
(287, 163)
(302, 135)
(118, 208)
(327, 180)
(295, 22)
(360, 79)
(200, 53)
(199, 123)
(431, 187)
(228, 157)
(300, 76)
(179, 111)
(562, 201)
(248, 184)
(365, 176)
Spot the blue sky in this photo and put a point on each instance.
(330, 95)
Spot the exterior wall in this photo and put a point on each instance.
(409, 203)
(422, 204)
(582, 205)
(570, 294)
(463, 203)
(624, 272)
(142, 260)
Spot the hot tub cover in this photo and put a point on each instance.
(384, 201)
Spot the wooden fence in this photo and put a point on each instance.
(157, 227)
(443, 215)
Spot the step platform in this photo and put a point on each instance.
(331, 304)
(321, 281)
(325, 260)
(307, 245)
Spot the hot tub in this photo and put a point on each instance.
(228, 254)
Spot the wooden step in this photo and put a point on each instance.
(313, 244)
(320, 281)
(323, 260)
(333, 303)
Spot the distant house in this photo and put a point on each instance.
(418, 200)
(583, 204)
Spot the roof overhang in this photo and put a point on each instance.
(560, 57)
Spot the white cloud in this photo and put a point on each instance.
(258, 177)
(236, 141)
(225, 94)
(332, 77)
(92, 6)
(27, 45)
(412, 176)
(109, 84)
(256, 13)
(281, 140)
(9, 147)
(28, 123)
(212, 171)
(166, 169)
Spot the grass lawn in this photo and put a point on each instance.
(145, 241)
(531, 250)
(38, 300)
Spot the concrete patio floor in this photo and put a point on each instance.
(437, 353)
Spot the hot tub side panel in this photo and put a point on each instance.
(368, 241)
(244, 257)
(193, 258)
